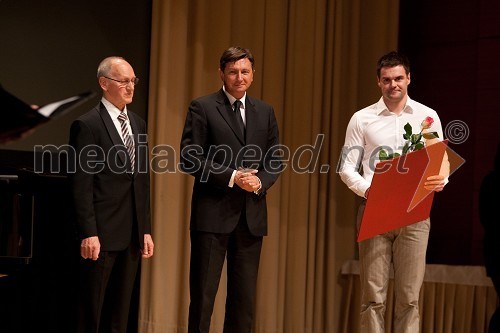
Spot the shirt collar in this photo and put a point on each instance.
(113, 110)
(232, 99)
(380, 106)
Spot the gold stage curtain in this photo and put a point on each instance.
(315, 63)
(453, 299)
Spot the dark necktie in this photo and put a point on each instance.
(127, 138)
(237, 106)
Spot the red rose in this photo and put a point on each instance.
(413, 141)
(427, 123)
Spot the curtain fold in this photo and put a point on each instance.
(310, 60)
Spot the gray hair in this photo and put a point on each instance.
(105, 65)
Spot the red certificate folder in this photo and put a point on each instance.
(397, 195)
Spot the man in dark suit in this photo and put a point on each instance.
(230, 145)
(110, 189)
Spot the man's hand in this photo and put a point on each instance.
(90, 248)
(247, 180)
(434, 183)
(147, 251)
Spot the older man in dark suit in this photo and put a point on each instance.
(111, 197)
(230, 145)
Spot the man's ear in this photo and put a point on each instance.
(221, 75)
(103, 83)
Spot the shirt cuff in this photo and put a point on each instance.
(259, 190)
(231, 181)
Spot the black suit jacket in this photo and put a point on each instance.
(109, 199)
(213, 146)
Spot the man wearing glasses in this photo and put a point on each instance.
(110, 188)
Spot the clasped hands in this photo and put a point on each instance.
(247, 180)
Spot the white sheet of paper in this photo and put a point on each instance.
(48, 109)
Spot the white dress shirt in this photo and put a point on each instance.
(114, 112)
(242, 108)
(374, 128)
(243, 116)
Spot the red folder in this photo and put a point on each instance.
(397, 196)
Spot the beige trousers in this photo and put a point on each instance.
(405, 248)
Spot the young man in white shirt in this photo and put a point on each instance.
(381, 126)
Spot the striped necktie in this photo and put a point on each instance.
(127, 138)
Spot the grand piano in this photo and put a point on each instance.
(38, 247)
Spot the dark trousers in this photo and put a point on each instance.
(208, 251)
(106, 287)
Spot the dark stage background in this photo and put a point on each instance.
(50, 50)
(454, 50)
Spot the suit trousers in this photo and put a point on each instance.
(106, 287)
(405, 249)
(208, 251)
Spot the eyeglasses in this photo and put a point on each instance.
(134, 81)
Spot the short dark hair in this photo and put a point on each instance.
(234, 53)
(393, 59)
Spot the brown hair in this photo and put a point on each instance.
(234, 53)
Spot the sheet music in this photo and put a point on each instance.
(48, 109)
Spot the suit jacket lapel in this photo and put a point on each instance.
(229, 115)
(113, 133)
(250, 116)
(135, 134)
